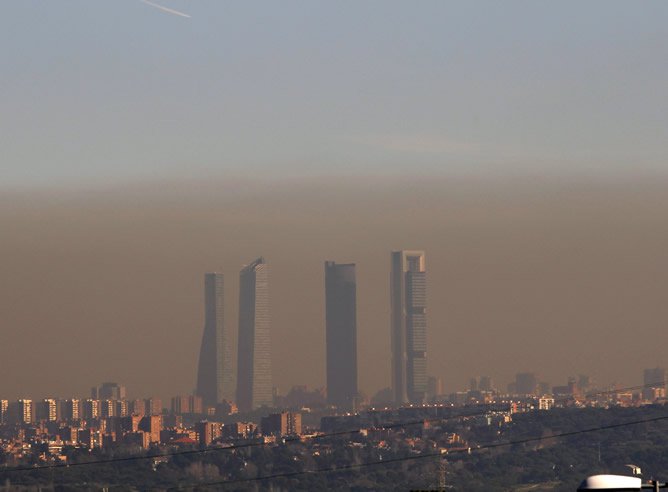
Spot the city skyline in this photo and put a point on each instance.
(521, 145)
(508, 159)
(492, 275)
(52, 433)
(526, 386)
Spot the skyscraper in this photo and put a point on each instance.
(215, 376)
(408, 296)
(111, 391)
(254, 381)
(26, 412)
(341, 334)
(4, 409)
(47, 410)
(526, 383)
(654, 382)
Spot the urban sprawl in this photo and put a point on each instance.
(241, 405)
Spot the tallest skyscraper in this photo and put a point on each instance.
(408, 301)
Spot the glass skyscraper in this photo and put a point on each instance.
(215, 375)
(254, 378)
(341, 334)
(408, 301)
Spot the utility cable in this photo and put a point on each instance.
(424, 456)
(294, 439)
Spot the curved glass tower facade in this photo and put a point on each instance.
(215, 375)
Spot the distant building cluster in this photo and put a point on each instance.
(30, 429)
(47, 430)
(578, 391)
(27, 411)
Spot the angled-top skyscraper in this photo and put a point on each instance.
(341, 334)
(254, 380)
(215, 375)
(408, 301)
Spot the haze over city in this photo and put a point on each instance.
(351, 245)
(521, 146)
(553, 276)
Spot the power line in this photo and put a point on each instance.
(165, 455)
(294, 439)
(424, 456)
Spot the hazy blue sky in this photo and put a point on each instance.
(93, 91)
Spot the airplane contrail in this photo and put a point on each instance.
(165, 9)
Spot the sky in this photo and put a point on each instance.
(100, 91)
(520, 144)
